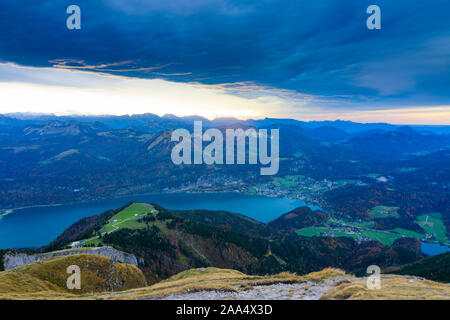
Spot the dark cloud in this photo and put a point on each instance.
(316, 47)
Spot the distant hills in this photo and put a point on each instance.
(148, 119)
(33, 283)
(396, 143)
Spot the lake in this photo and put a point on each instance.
(38, 226)
(433, 249)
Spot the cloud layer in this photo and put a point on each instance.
(318, 50)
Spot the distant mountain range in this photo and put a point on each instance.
(148, 119)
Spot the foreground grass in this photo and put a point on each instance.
(39, 282)
(393, 287)
(409, 233)
(48, 280)
(384, 212)
(386, 238)
(218, 280)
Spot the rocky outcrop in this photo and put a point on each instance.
(13, 260)
(307, 290)
(393, 287)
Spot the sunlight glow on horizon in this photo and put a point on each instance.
(65, 92)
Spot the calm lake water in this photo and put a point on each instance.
(38, 226)
(433, 249)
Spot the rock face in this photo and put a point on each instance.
(13, 260)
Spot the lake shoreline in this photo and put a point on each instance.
(11, 210)
(39, 225)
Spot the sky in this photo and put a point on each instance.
(301, 59)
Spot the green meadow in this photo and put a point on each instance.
(366, 231)
(286, 182)
(129, 217)
(386, 238)
(409, 233)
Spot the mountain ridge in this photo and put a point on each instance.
(167, 242)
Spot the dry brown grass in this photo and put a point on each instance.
(393, 287)
(327, 273)
(32, 282)
(49, 279)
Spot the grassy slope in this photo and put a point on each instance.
(409, 233)
(83, 229)
(169, 243)
(48, 279)
(393, 286)
(220, 279)
(128, 217)
(194, 279)
(432, 223)
(385, 238)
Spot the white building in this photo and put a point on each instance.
(75, 244)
